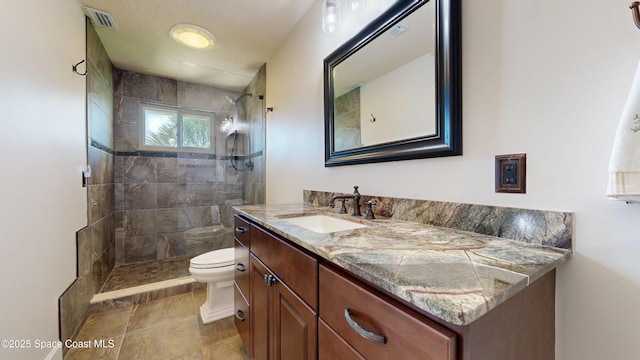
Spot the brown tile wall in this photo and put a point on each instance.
(96, 242)
(347, 121)
(161, 195)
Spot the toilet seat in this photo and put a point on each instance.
(214, 259)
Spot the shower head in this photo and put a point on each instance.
(234, 101)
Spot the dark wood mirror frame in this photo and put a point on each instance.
(447, 140)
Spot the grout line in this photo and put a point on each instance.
(124, 333)
(196, 309)
(110, 295)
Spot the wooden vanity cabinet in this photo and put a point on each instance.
(523, 327)
(284, 326)
(242, 238)
(297, 301)
(377, 327)
(294, 267)
(284, 299)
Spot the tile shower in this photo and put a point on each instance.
(162, 199)
(151, 205)
(160, 196)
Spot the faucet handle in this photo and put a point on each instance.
(368, 213)
(355, 190)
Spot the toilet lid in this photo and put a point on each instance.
(213, 259)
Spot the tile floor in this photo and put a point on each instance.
(145, 272)
(164, 329)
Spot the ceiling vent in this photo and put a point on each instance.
(101, 18)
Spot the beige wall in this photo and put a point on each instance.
(547, 78)
(42, 151)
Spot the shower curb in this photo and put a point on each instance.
(118, 299)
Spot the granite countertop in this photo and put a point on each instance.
(454, 275)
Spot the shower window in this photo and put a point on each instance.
(164, 127)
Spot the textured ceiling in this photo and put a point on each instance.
(247, 32)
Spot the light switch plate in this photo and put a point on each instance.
(511, 173)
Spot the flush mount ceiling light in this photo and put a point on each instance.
(192, 36)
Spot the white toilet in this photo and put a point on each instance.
(216, 269)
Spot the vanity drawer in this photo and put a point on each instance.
(295, 268)
(242, 231)
(241, 319)
(241, 272)
(331, 346)
(407, 335)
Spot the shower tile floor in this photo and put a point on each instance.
(164, 329)
(141, 273)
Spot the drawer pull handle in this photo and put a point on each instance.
(239, 315)
(270, 280)
(240, 267)
(241, 229)
(380, 339)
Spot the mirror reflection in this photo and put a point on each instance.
(385, 91)
(396, 87)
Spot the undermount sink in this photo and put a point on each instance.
(324, 224)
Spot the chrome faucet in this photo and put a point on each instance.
(356, 202)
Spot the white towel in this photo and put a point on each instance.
(624, 165)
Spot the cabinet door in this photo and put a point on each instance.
(259, 310)
(294, 326)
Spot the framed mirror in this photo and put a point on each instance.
(394, 91)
